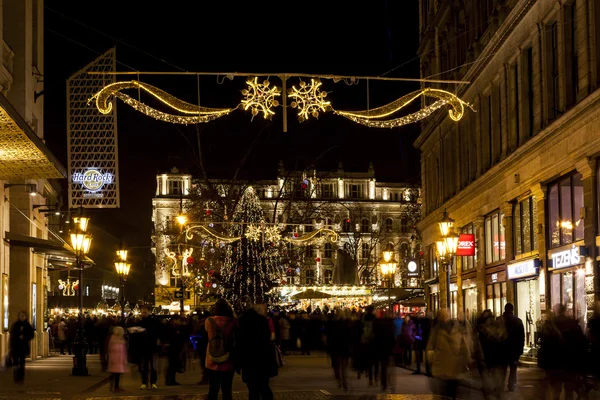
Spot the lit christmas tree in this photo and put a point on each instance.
(251, 265)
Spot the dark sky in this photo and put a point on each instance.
(321, 37)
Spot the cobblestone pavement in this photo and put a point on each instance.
(302, 378)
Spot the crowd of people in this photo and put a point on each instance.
(253, 343)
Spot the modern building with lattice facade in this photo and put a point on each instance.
(27, 211)
(521, 173)
(366, 213)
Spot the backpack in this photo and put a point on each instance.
(219, 346)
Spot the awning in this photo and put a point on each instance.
(23, 155)
(60, 255)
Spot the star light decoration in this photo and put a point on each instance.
(309, 99)
(253, 232)
(259, 97)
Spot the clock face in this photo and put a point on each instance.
(412, 266)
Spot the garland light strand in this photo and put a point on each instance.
(194, 114)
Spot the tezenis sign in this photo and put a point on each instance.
(466, 245)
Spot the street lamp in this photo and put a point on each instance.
(81, 243)
(446, 249)
(388, 268)
(181, 220)
(122, 267)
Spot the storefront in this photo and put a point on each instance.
(567, 280)
(495, 288)
(524, 275)
(469, 292)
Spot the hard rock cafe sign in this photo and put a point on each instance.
(92, 180)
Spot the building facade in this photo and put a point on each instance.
(367, 215)
(521, 173)
(27, 212)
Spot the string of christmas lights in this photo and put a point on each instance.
(260, 98)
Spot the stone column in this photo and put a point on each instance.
(507, 209)
(480, 263)
(539, 192)
(587, 169)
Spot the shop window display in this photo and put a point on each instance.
(528, 310)
(568, 288)
(470, 303)
(496, 298)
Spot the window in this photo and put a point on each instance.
(365, 250)
(495, 249)
(355, 191)
(468, 262)
(525, 221)
(396, 197)
(365, 226)
(530, 109)
(347, 225)
(389, 225)
(515, 107)
(327, 190)
(328, 276)
(309, 277)
(328, 250)
(553, 84)
(404, 225)
(175, 187)
(565, 201)
(174, 281)
(433, 265)
(572, 61)
(309, 251)
(496, 298)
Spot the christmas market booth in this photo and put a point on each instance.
(303, 297)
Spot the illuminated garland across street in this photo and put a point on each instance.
(271, 232)
(260, 98)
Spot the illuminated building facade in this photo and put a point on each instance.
(367, 215)
(522, 172)
(27, 212)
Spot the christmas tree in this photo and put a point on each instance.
(251, 266)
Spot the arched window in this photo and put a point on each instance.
(347, 226)
(404, 250)
(365, 226)
(328, 276)
(389, 225)
(404, 225)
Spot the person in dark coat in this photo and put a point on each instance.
(255, 354)
(103, 329)
(21, 333)
(148, 342)
(515, 342)
(338, 345)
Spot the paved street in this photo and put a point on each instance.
(303, 378)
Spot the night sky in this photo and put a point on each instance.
(324, 37)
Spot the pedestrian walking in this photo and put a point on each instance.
(338, 345)
(148, 341)
(221, 328)
(117, 358)
(21, 333)
(62, 335)
(257, 359)
(515, 341)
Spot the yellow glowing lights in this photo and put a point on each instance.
(259, 97)
(194, 113)
(309, 99)
(372, 117)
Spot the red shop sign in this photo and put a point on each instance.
(466, 245)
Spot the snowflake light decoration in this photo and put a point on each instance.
(309, 99)
(253, 233)
(259, 97)
(272, 234)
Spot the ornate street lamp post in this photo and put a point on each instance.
(122, 267)
(388, 268)
(446, 249)
(81, 243)
(181, 220)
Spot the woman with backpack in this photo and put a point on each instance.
(220, 365)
